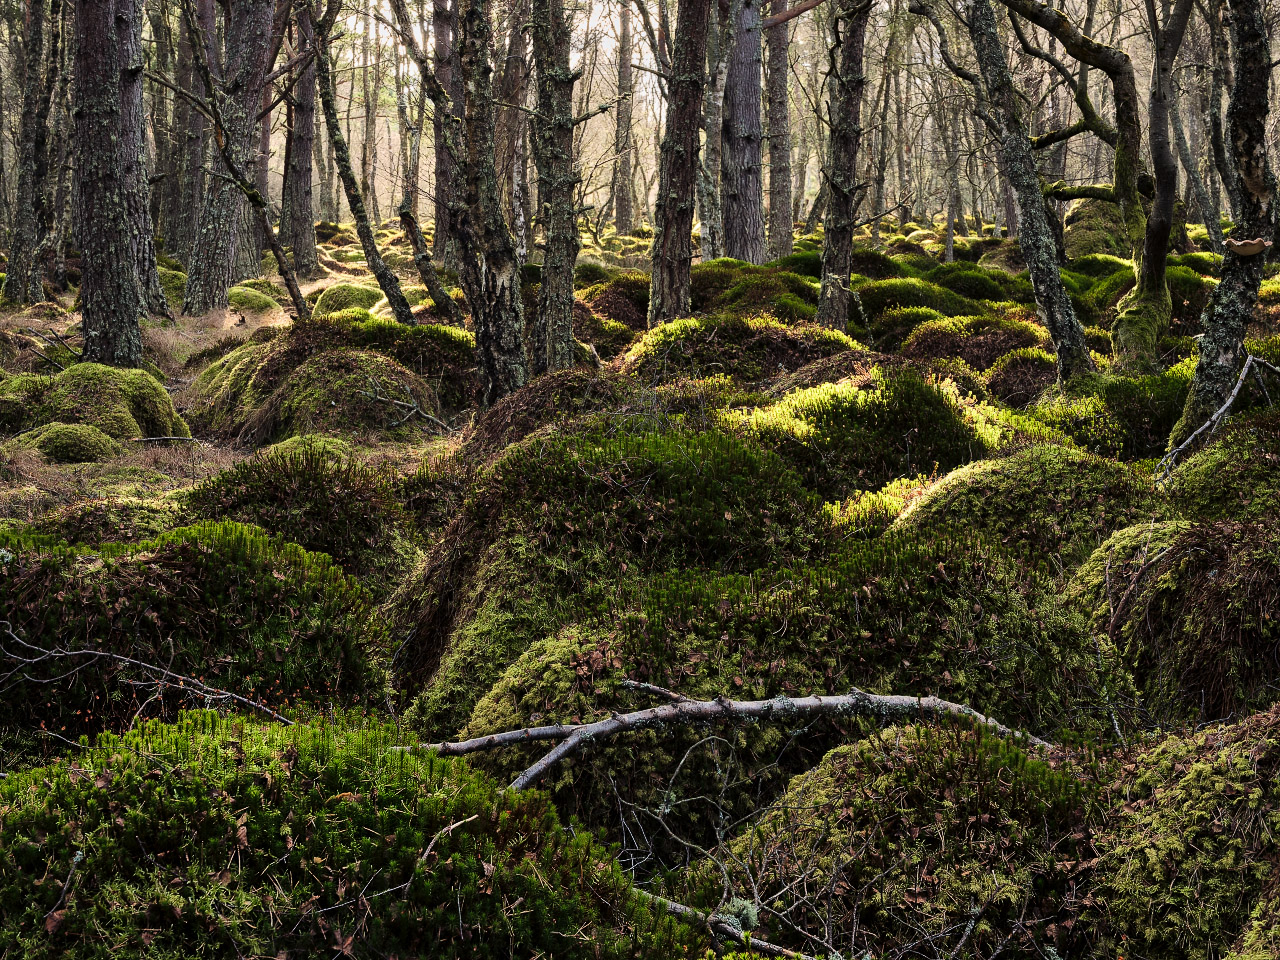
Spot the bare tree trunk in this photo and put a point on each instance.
(1231, 305)
(672, 250)
(780, 220)
(212, 266)
(299, 207)
(369, 79)
(510, 94)
(23, 282)
(741, 168)
(623, 213)
(387, 280)
(1208, 209)
(710, 210)
(846, 80)
(444, 29)
(557, 179)
(133, 166)
(110, 306)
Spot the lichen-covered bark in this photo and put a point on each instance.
(134, 172)
(1231, 305)
(387, 280)
(846, 82)
(552, 131)
(741, 164)
(710, 211)
(444, 30)
(23, 282)
(1209, 212)
(1052, 303)
(110, 307)
(780, 223)
(672, 250)
(212, 264)
(623, 211)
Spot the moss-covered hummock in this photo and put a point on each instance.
(122, 404)
(71, 443)
(880, 296)
(1094, 227)
(102, 520)
(340, 296)
(1021, 376)
(218, 838)
(223, 602)
(1236, 477)
(249, 299)
(978, 341)
(1051, 504)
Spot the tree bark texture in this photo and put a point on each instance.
(741, 165)
(23, 280)
(110, 306)
(623, 211)
(299, 209)
(780, 220)
(444, 29)
(672, 251)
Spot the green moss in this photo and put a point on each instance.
(315, 496)
(1094, 227)
(249, 614)
(609, 337)
(857, 436)
(270, 288)
(891, 327)
(624, 298)
(587, 273)
(1100, 265)
(896, 838)
(111, 520)
(1189, 293)
(1022, 375)
(968, 280)
(341, 296)
(868, 513)
(221, 838)
(1236, 477)
(979, 341)
(174, 284)
(1195, 612)
(1187, 860)
(789, 297)
(246, 298)
(882, 295)
(1051, 504)
(749, 350)
(1204, 263)
(806, 263)
(121, 403)
(71, 443)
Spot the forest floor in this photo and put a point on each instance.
(222, 652)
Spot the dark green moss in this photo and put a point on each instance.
(71, 443)
(123, 404)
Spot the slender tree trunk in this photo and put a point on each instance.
(299, 209)
(1231, 306)
(623, 213)
(1052, 303)
(1208, 209)
(23, 282)
(511, 90)
(710, 210)
(444, 29)
(741, 167)
(780, 220)
(846, 81)
(387, 280)
(557, 179)
(110, 306)
(213, 266)
(672, 251)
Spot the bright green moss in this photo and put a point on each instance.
(869, 513)
(71, 443)
(806, 263)
(587, 273)
(275, 837)
(978, 341)
(121, 403)
(1022, 375)
(111, 520)
(1187, 858)
(789, 297)
(845, 437)
(883, 295)
(749, 350)
(1051, 504)
(270, 288)
(1236, 477)
(1190, 293)
(891, 327)
(1204, 263)
(246, 298)
(968, 280)
(340, 296)
(174, 285)
(609, 337)
(1100, 265)
(250, 614)
(1094, 227)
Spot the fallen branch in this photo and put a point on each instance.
(410, 404)
(720, 927)
(30, 655)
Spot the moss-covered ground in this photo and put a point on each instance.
(244, 584)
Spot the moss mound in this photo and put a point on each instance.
(211, 838)
(111, 520)
(1195, 611)
(857, 435)
(313, 495)
(1236, 477)
(978, 341)
(120, 403)
(787, 296)
(1187, 862)
(1020, 376)
(1094, 227)
(623, 298)
(897, 838)
(968, 280)
(880, 296)
(251, 300)
(609, 337)
(223, 602)
(342, 296)
(1049, 504)
(71, 443)
(232, 390)
(1118, 414)
(174, 285)
(748, 350)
